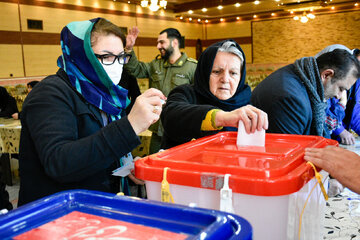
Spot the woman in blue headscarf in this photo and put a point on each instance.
(74, 128)
(217, 101)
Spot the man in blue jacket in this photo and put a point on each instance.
(294, 97)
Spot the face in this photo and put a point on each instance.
(108, 44)
(337, 88)
(225, 75)
(165, 46)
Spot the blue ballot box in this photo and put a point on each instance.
(82, 214)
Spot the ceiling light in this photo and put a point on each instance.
(237, 4)
(291, 12)
(129, 2)
(272, 14)
(256, 2)
(221, 19)
(356, 4)
(181, 18)
(304, 19)
(206, 21)
(190, 11)
(204, 9)
(220, 7)
(332, 7)
(277, 0)
(144, 3)
(254, 16)
(199, 20)
(311, 16)
(154, 6)
(296, 18)
(237, 18)
(190, 19)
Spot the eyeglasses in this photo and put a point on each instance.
(109, 59)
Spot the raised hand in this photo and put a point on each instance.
(131, 38)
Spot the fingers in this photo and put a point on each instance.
(254, 119)
(146, 110)
(154, 92)
(136, 180)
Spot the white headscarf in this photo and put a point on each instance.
(331, 48)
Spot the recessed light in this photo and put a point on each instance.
(221, 19)
(181, 18)
(254, 16)
(256, 2)
(199, 20)
(206, 21)
(190, 19)
(220, 7)
(204, 9)
(190, 11)
(237, 4)
(237, 18)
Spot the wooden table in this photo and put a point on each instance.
(10, 130)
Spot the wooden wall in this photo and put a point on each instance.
(28, 53)
(285, 40)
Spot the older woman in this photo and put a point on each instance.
(74, 128)
(216, 102)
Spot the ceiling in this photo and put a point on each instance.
(246, 9)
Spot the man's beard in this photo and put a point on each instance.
(168, 52)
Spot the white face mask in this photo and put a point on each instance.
(114, 71)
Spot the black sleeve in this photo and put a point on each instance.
(182, 115)
(10, 108)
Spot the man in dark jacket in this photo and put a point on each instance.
(7, 104)
(294, 96)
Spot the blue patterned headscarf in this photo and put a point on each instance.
(86, 73)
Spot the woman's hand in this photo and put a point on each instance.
(347, 138)
(252, 117)
(146, 110)
(131, 38)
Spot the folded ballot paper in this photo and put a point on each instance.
(252, 139)
(127, 166)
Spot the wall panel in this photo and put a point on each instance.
(229, 30)
(11, 61)
(9, 17)
(285, 40)
(41, 60)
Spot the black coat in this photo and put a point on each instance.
(63, 143)
(182, 116)
(7, 104)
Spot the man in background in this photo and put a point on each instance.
(168, 70)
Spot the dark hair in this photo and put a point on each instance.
(103, 28)
(341, 61)
(172, 33)
(32, 84)
(356, 52)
